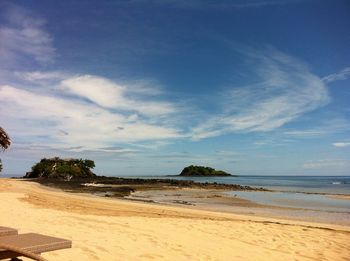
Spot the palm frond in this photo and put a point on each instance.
(5, 140)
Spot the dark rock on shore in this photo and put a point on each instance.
(120, 187)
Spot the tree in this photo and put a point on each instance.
(62, 168)
(5, 142)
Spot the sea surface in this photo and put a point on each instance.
(299, 192)
(307, 184)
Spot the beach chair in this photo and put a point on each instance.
(29, 245)
(7, 231)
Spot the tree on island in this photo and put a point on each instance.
(202, 171)
(5, 142)
(62, 168)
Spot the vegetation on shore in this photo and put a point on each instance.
(202, 171)
(5, 142)
(62, 168)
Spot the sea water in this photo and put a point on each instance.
(296, 200)
(302, 192)
(308, 184)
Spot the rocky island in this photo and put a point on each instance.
(62, 168)
(202, 171)
(75, 175)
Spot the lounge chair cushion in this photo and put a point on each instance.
(31, 243)
(7, 231)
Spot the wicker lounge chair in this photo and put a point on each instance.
(7, 231)
(30, 245)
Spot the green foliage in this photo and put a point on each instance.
(62, 168)
(5, 142)
(89, 163)
(202, 171)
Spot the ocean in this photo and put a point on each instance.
(307, 184)
(299, 192)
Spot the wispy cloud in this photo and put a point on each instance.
(24, 36)
(306, 133)
(341, 144)
(80, 113)
(341, 75)
(108, 94)
(73, 113)
(325, 163)
(41, 76)
(331, 126)
(286, 89)
(195, 4)
(72, 121)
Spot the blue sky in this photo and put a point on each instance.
(148, 87)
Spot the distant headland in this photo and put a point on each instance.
(202, 171)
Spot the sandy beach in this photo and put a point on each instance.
(111, 229)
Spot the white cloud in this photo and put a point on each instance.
(108, 94)
(330, 126)
(85, 112)
(198, 4)
(342, 75)
(74, 122)
(325, 163)
(89, 112)
(306, 133)
(341, 144)
(41, 76)
(285, 91)
(24, 37)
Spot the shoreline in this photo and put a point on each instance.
(201, 196)
(219, 201)
(33, 190)
(188, 195)
(103, 228)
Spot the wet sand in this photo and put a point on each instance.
(218, 200)
(111, 229)
(344, 197)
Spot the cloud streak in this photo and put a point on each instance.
(327, 163)
(92, 113)
(331, 126)
(108, 94)
(198, 4)
(285, 90)
(341, 144)
(341, 75)
(24, 38)
(74, 121)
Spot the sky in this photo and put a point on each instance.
(148, 87)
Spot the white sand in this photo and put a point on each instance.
(106, 229)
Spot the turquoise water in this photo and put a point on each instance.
(293, 191)
(310, 184)
(296, 200)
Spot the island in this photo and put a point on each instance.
(62, 168)
(75, 175)
(202, 171)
